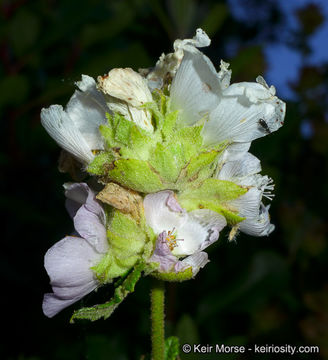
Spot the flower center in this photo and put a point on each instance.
(171, 239)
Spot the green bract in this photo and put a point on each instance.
(172, 157)
(127, 242)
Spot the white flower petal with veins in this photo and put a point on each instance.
(195, 261)
(69, 261)
(76, 129)
(196, 88)
(68, 264)
(245, 172)
(246, 111)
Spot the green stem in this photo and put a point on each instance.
(157, 320)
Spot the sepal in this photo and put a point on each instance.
(213, 194)
(173, 276)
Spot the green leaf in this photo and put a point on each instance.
(171, 348)
(136, 175)
(105, 310)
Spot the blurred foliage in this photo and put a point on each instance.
(256, 291)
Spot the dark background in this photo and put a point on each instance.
(255, 291)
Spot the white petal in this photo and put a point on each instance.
(212, 222)
(258, 225)
(92, 228)
(158, 215)
(196, 88)
(52, 304)
(248, 204)
(234, 151)
(241, 171)
(191, 235)
(246, 111)
(62, 129)
(68, 265)
(79, 194)
(76, 194)
(88, 109)
(68, 262)
(196, 261)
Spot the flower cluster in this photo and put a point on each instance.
(167, 150)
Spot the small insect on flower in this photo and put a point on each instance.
(264, 125)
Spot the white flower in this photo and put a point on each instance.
(126, 92)
(237, 113)
(69, 261)
(76, 129)
(180, 233)
(246, 111)
(245, 172)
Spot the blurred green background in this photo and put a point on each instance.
(255, 291)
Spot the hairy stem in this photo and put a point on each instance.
(157, 320)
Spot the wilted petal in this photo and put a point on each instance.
(224, 74)
(200, 39)
(127, 91)
(246, 112)
(68, 264)
(126, 85)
